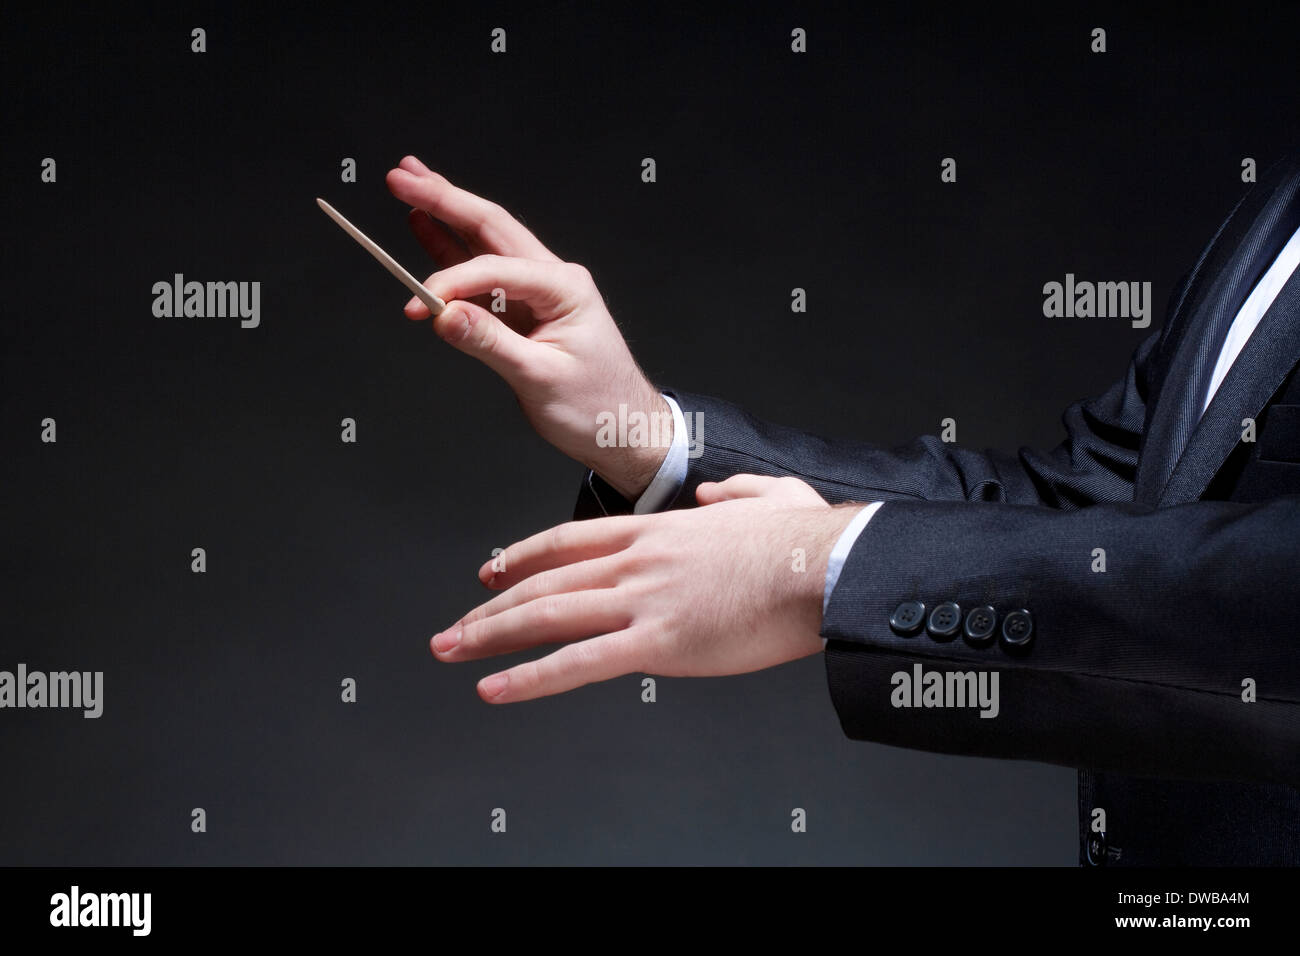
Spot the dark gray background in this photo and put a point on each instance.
(329, 560)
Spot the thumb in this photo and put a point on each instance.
(741, 486)
(477, 332)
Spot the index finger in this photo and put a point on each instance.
(478, 220)
(558, 546)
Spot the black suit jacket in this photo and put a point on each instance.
(1135, 675)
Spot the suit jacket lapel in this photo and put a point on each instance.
(1264, 363)
(1189, 323)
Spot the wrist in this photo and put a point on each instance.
(644, 436)
(814, 531)
(837, 519)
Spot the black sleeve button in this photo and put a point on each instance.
(981, 623)
(1096, 849)
(944, 622)
(1018, 630)
(908, 618)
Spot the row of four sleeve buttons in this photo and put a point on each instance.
(980, 627)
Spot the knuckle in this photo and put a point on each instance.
(485, 212)
(583, 656)
(487, 335)
(474, 633)
(493, 224)
(538, 586)
(560, 537)
(636, 647)
(580, 273)
(634, 562)
(547, 610)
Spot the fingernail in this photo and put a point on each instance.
(448, 639)
(494, 685)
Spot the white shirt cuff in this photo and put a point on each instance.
(672, 473)
(840, 553)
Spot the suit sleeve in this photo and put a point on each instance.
(1176, 658)
(1095, 462)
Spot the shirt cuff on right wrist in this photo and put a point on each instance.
(672, 472)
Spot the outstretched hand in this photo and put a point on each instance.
(725, 589)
